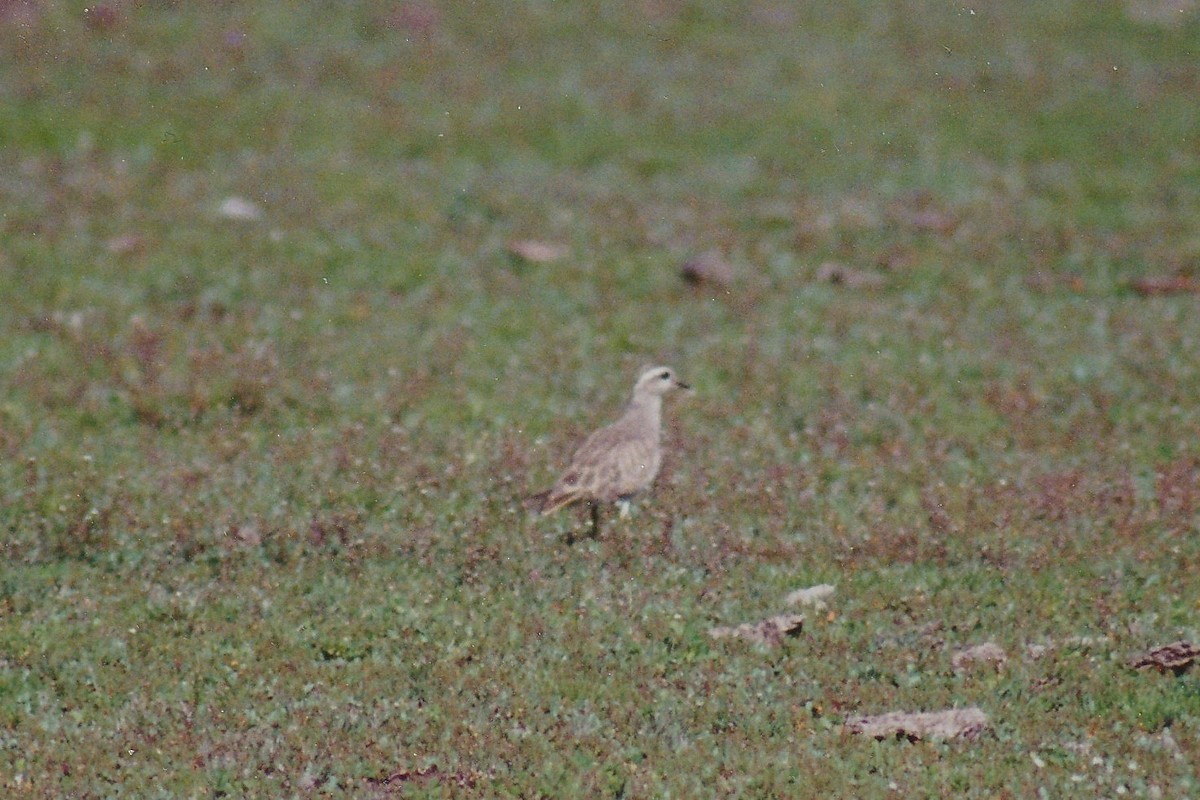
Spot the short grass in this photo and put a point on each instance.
(260, 480)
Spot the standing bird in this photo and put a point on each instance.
(620, 459)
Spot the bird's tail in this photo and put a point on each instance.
(549, 501)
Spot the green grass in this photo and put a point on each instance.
(260, 481)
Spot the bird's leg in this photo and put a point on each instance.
(595, 520)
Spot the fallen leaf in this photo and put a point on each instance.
(812, 596)
(1165, 284)
(239, 208)
(769, 631)
(986, 653)
(844, 275)
(967, 723)
(1177, 657)
(538, 252)
(709, 268)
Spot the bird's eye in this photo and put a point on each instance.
(666, 376)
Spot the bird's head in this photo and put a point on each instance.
(657, 381)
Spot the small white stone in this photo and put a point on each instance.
(239, 208)
(812, 596)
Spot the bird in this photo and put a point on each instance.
(618, 460)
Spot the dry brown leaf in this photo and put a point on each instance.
(710, 268)
(1177, 657)
(1165, 284)
(769, 631)
(852, 277)
(986, 653)
(537, 252)
(967, 723)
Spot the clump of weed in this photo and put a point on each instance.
(1177, 491)
(151, 369)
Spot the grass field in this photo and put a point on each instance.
(261, 474)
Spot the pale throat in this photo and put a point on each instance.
(648, 407)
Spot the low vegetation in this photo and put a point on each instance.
(299, 304)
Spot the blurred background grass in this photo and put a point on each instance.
(260, 475)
